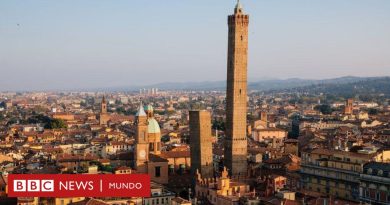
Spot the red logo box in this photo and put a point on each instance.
(77, 185)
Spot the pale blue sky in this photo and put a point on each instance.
(94, 43)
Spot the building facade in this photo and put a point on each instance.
(147, 153)
(336, 173)
(375, 183)
(221, 190)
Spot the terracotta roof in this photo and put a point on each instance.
(104, 160)
(256, 150)
(284, 160)
(345, 153)
(155, 158)
(291, 202)
(271, 129)
(123, 168)
(291, 140)
(89, 202)
(321, 151)
(123, 156)
(175, 154)
(75, 158)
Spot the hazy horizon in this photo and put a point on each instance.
(63, 45)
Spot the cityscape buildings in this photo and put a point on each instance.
(326, 142)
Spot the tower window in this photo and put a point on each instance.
(242, 38)
(157, 171)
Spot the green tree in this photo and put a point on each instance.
(56, 124)
(219, 125)
(372, 111)
(324, 109)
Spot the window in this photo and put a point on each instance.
(151, 146)
(369, 171)
(157, 171)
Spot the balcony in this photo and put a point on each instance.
(345, 171)
(352, 176)
(378, 179)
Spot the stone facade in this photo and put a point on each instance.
(236, 94)
(201, 146)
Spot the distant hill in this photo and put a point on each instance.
(377, 85)
(260, 85)
(297, 82)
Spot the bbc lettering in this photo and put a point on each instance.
(34, 185)
(75, 185)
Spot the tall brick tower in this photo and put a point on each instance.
(103, 117)
(348, 106)
(236, 94)
(103, 106)
(200, 141)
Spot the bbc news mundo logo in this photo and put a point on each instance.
(78, 185)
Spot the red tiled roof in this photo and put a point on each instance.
(72, 158)
(89, 202)
(175, 154)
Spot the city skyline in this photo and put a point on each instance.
(92, 124)
(63, 46)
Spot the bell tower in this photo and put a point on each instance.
(141, 154)
(103, 116)
(103, 106)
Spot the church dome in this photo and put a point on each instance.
(153, 126)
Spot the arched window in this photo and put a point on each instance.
(369, 171)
